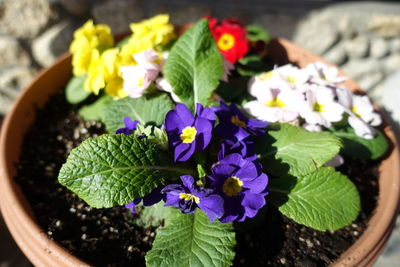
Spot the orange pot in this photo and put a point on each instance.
(42, 251)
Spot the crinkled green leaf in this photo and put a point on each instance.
(74, 91)
(359, 147)
(151, 215)
(288, 149)
(257, 33)
(324, 199)
(95, 111)
(194, 65)
(146, 110)
(192, 240)
(112, 170)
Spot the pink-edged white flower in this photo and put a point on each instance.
(312, 127)
(336, 161)
(361, 111)
(228, 67)
(321, 108)
(137, 78)
(293, 76)
(323, 74)
(163, 85)
(274, 105)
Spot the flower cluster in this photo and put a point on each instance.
(235, 188)
(127, 69)
(312, 96)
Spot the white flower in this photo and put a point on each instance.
(336, 161)
(137, 78)
(228, 67)
(276, 105)
(265, 81)
(163, 85)
(321, 108)
(294, 77)
(361, 111)
(312, 127)
(323, 74)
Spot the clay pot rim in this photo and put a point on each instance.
(375, 234)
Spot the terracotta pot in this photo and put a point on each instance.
(44, 252)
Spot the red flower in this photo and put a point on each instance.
(230, 36)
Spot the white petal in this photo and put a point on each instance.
(336, 161)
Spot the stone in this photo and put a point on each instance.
(336, 55)
(346, 28)
(385, 25)
(310, 36)
(392, 64)
(368, 82)
(118, 14)
(53, 42)
(24, 18)
(395, 45)
(11, 52)
(379, 48)
(357, 47)
(76, 7)
(357, 68)
(390, 102)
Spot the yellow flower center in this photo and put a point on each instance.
(189, 197)
(318, 107)
(355, 111)
(291, 80)
(276, 103)
(238, 122)
(266, 75)
(226, 41)
(140, 82)
(232, 186)
(188, 135)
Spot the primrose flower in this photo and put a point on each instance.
(321, 108)
(245, 148)
(163, 85)
(230, 36)
(87, 38)
(188, 196)
(265, 81)
(137, 78)
(130, 126)
(276, 105)
(241, 184)
(323, 74)
(361, 112)
(187, 133)
(293, 76)
(234, 125)
(148, 200)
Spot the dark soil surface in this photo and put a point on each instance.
(107, 237)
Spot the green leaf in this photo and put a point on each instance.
(152, 215)
(296, 151)
(194, 65)
(252, 65)
(359, 147)
(154, 134)
(324, 199)
(74, 91)
(112, 170)
(233, 89)
(147, 110)
(123, 42)
(257, 33)
(192, 240)
(95, 111)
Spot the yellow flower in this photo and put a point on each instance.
(147, 34)
(87, 38)
(154, 31)
(95, 74)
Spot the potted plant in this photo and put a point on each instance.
(213, 172)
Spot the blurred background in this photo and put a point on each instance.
(361, 37)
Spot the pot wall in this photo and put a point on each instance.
(41, 251)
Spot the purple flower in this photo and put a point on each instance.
(130, 125)
(187, 133)
(148, 200)
(234, 125)
(242, 185)
(188, 196)
(245, 148)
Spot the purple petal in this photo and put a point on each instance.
(247, 171)
(213, 206)
(187, 181)
(130, 124)
(173, 122)
(172, 200)
(258, 184)
(203, 137)
(154, 197)
(184, 151)
(205, 113)
(254, 202)
(184, 113)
